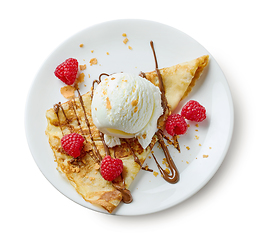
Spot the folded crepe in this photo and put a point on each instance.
(75, 116)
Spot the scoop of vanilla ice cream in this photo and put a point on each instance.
(126, 106)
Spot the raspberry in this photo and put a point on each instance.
(193, 111)
(111, 168)
(72, 144)
(67, 71)
(176, 125)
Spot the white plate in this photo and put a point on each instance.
(150, 193)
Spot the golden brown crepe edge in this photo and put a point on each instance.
(202, 62)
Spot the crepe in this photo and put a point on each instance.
(75, 116)
(179, 80)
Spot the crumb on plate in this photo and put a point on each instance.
(83, 67)
(67, 91)
(93, 61)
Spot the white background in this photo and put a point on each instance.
(228, 207)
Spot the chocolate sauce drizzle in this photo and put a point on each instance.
(173, 177)
(119, 184)
(98, 155)
(175, 142)
(98, 82)
(136, 159)
(103, 74)
(161, 87)
(56, 109)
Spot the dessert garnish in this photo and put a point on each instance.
(90, 117)
(67, 71)
(111, 168)
(72, 144)
(176, 125)
(193, 111)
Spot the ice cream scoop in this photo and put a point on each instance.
(126, 106)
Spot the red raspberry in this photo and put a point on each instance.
(176, 125)
(111, 168)
(72, 144)
(67, 71)
(193, 111)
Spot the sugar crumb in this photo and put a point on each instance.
(68, 91)
(78, 80)
(83, 67)
(93, 61)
